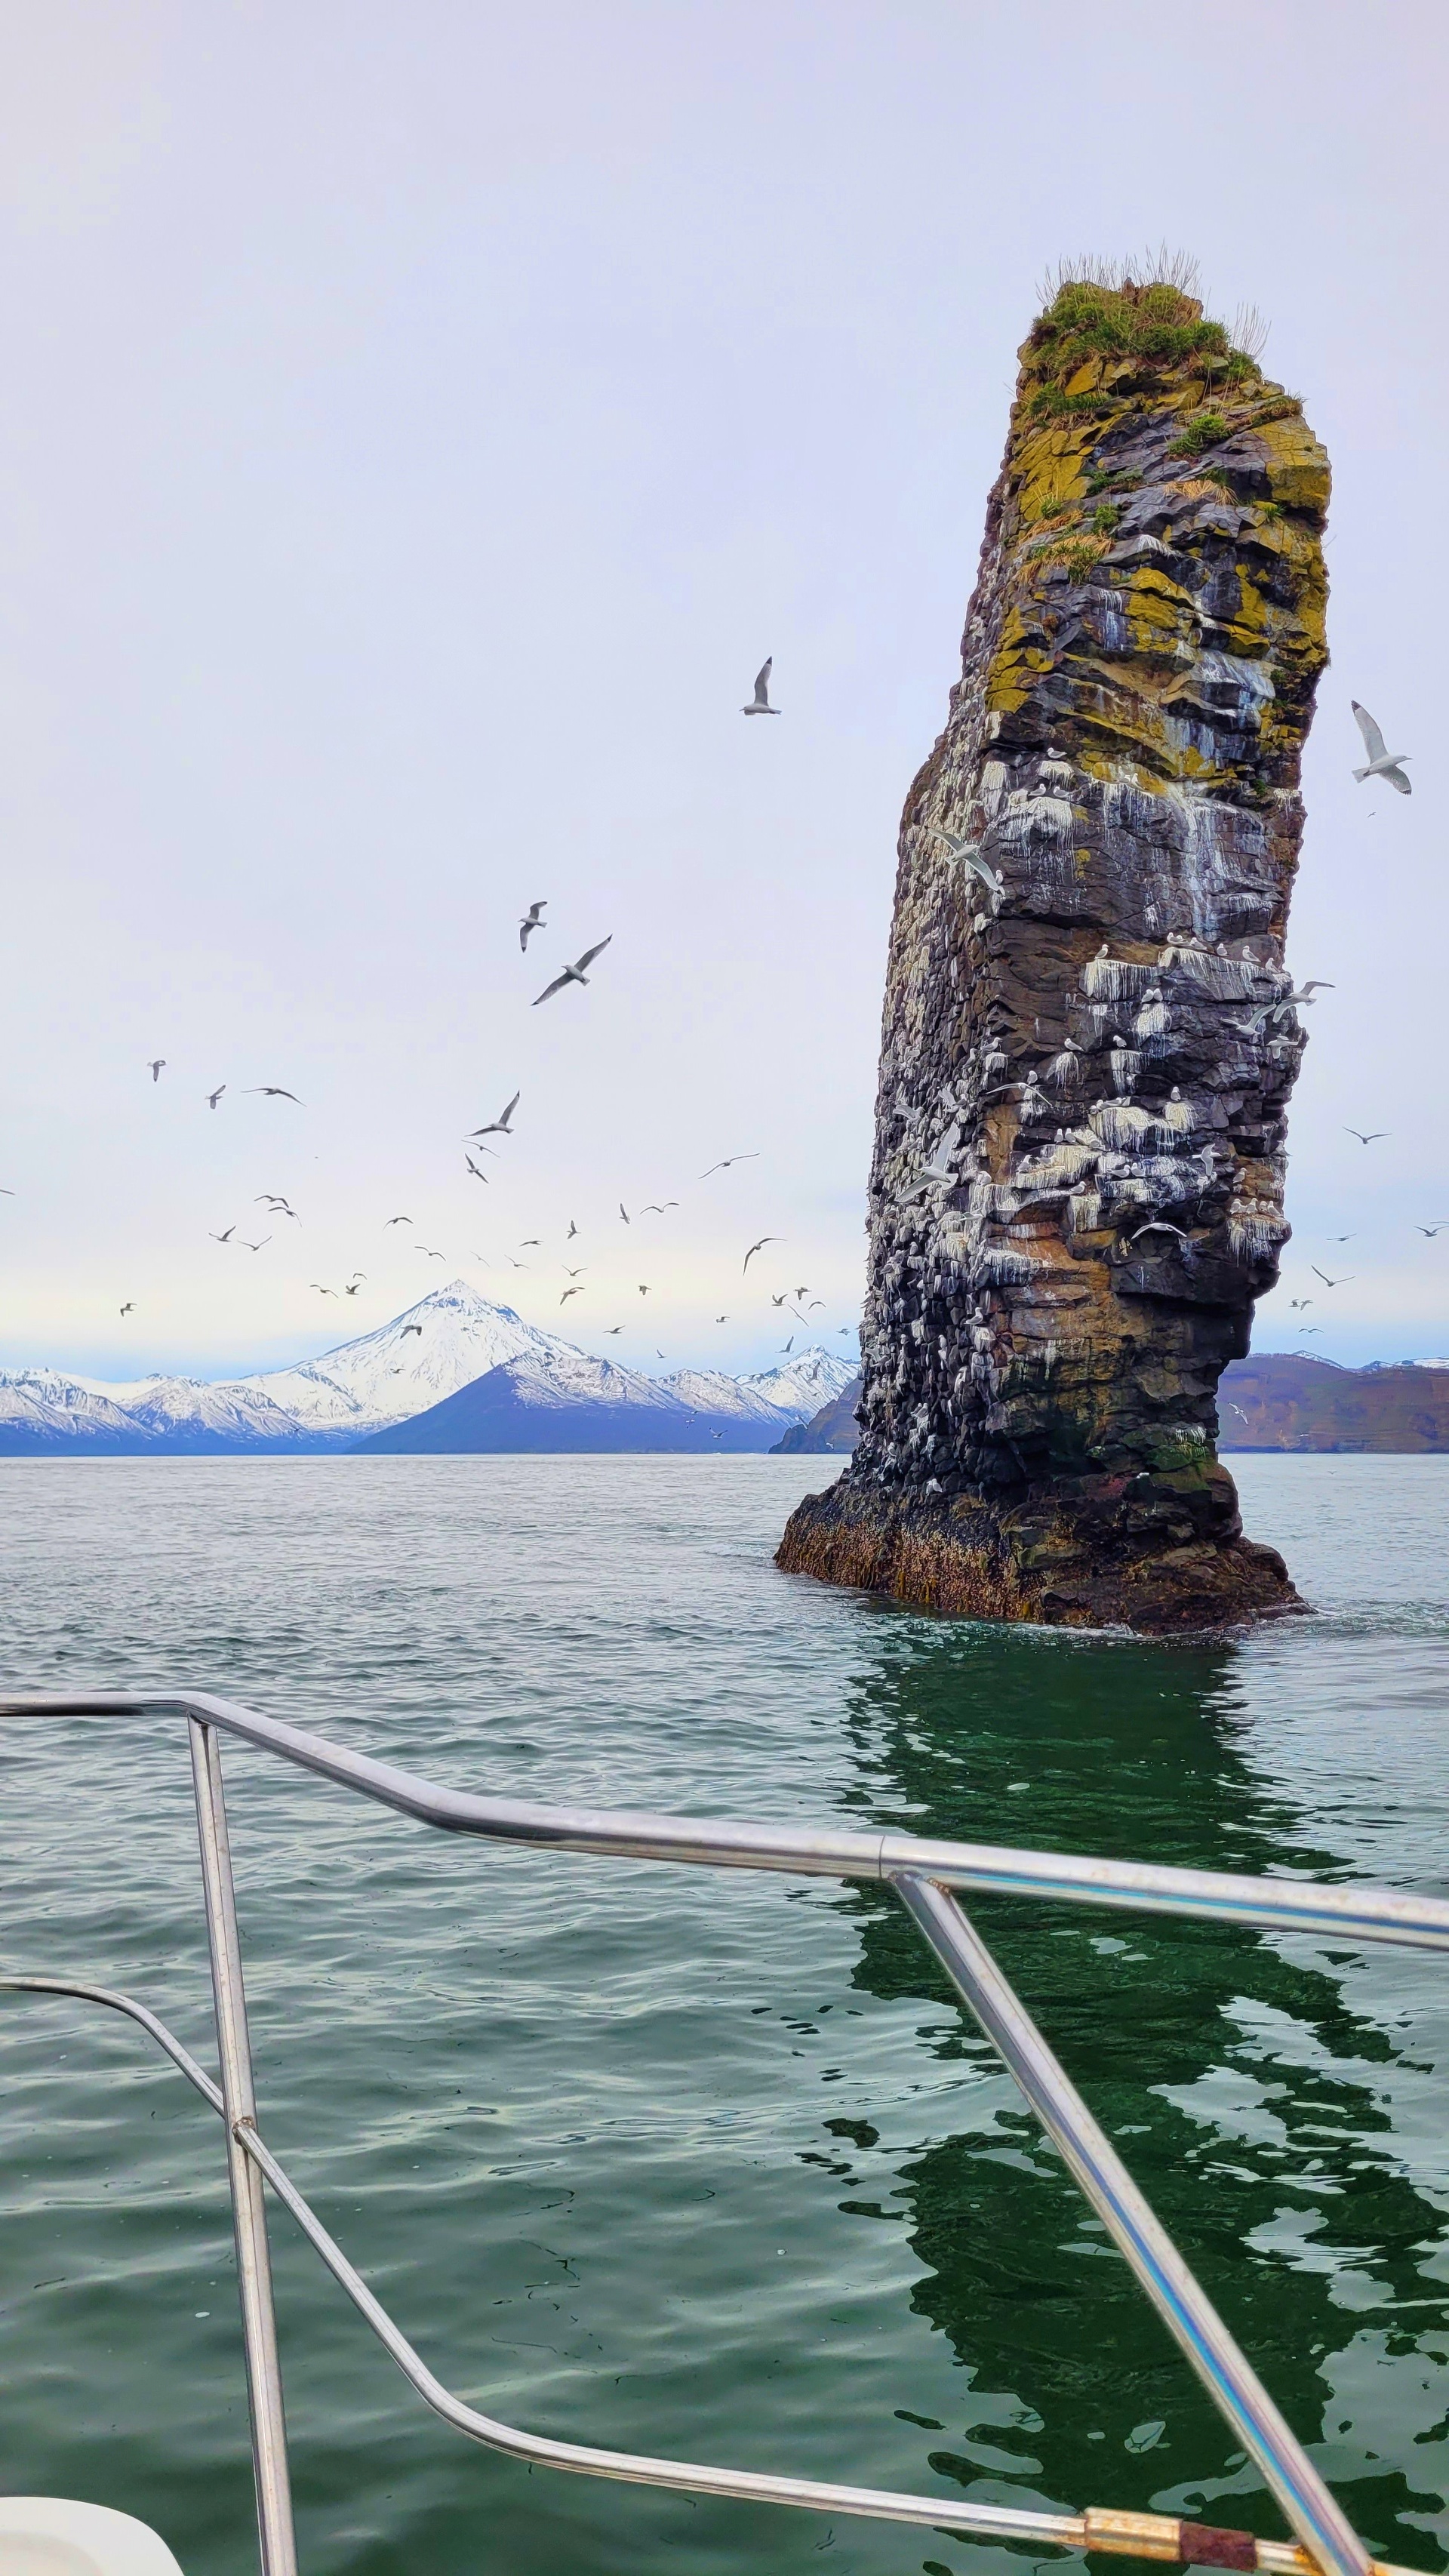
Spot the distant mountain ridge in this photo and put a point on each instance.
(1281, 1400)
(1285, 1400)
(406, 1371)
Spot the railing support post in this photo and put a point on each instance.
(1094, 2164)
(248, 2202)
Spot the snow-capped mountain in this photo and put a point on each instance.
(443, 1342)
(525, 1388)
(186, 1408)
(560, 1401)
(795, 1392)
(710, 1391)
(805, 1382)
(38, 1406)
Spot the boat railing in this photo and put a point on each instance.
(927, 1877)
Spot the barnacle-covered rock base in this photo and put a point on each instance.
(1089, 1037)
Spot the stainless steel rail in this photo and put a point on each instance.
(248, 2200)
(922, 1874)
(1352, 1912)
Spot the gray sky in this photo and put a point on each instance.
(420, 423)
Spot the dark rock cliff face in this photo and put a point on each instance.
(1088, 1043)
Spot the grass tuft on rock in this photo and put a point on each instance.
(1111, 325)
(1206, 429)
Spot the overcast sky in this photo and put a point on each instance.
(418, 425)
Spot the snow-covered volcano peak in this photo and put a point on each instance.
(447, 1339)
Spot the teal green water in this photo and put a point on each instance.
(692, 2163)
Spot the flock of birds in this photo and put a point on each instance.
(800, 1302)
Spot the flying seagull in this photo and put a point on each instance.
(277, 1204)
(1276, 1010)
(158, 1067)
(728, 1160)
(575, 1274)
(473, 1168)
(499, 1126)
(570, 1292)
(273, 1091)
(213, 1097)
(643, 1292)
(573, 1230)
(721, 1319)
(1331, 1283)
(530, 1243)
(1300, 1303)
(971, 859)
(1366, 1140)
(610, 1329)
(411, 1328)
(224, 1238)
(1159, 1225)
(357, 1277)
(760, 1246)
(573, 974)
(789, 1346)
(397, 1220)
(657, 1208)
(532, 920)
(1432, 1230)
(431, 1256)
(624, 1213)
(760, 703)
(1380, 763)
(257, 1247)
(321, 1291)
(129, 1308)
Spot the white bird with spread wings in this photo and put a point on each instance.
(970, 857)
(1380, 763)
(760, 703)
(573, 974)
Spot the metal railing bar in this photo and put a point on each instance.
(1339, 1913)
(999, 2522)
(1156, 2536)
(1311, 2509)
(158, 2031)
(638, 2469)
(275, 2527)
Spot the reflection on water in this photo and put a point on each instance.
(687, 2164)
(1245, 2090)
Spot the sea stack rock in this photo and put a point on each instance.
(1089, 1040)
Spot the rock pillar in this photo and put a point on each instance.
(1089, 1033)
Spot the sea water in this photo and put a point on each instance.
(696, 2163)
